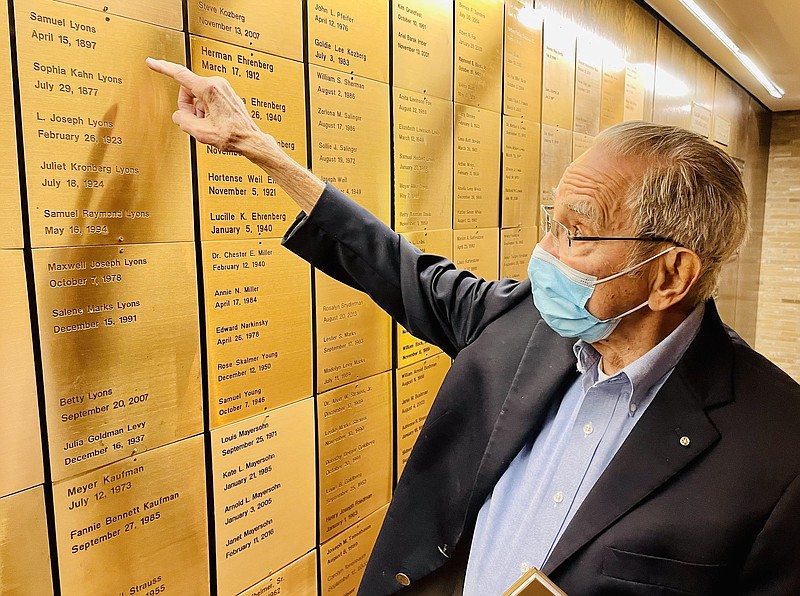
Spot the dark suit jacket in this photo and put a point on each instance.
(720, 515)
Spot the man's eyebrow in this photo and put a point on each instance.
(586, 210)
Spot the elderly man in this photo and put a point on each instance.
(598, 422)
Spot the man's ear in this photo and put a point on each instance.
(673, 278)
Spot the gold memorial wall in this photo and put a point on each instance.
(210, 413)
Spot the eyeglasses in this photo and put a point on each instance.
(549, 224)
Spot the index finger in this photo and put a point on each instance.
(180, 73)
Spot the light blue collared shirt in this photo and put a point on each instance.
(532, 504)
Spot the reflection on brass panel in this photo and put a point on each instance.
(588, 86)
(558, 75)
(120, 350)
(479, 53)
(167, 13)
(105, 165)
(354, 336)
(351, 36)
(674, 80)
(417, 385)
(264, 472)
(556, 156)
(20, 441)
(725, 113)
(640, 40)
(423, 161)
(612, 110)
(477, 251)
(610, 16)
(10, 214)
(705, 83)
(580, 143)
(409, 348)
(237, 198)
(701, 120)
(258, 328)
(135, 525)
(24, 547)
(515, 252)
(351, 137)
(355, 452)
(423, 46)
(477, 167)
(275, 26)
(296, 579)
(522, 75)
(520, 192)
(342, 560)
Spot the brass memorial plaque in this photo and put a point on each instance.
(580, 144)
(522, 75)
(296, 579)
(636, 78)
(351, 36)
(640, 39)
(556, 156)
(275, 26)
(24, 546)
(417, 385)
(343, 559)
(515, 251)
(701, 120)
(558, 74)
(351, 137)
(588, 86)
(120, 350)
(258, 328)
(10, 213)
(521, 145)
(423, 46)
(476, 176)
(20, 440)
(167, 13)
(237, 198)
(409, 348)
(423, 162)
(136, 526)
(264, 471)
(479, 53)
(104, 162)
(354, 336)
(477, 251)
(355, 452)
(611, 20)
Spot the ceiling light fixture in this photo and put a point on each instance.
(698, 12)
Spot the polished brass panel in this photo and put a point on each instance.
(522, 72)
(477, 251)
(237, 198)
(355, 452)
(298, 578)
(675, 73)
(558, 75)
(580, 143)
(10, 214)
(351, 36)
(120, 350)
(351, 137)
(725, 113)
(275, 26)
(640, 31)
(610, 16)
(423, 161)
(417, 385)
(520, 192)
(479, 53)
(135, 525)
(556, 156)
(342, 559)
(612, 110)
(705, 83)
(264, 473)
(167, 13)
(20, 440)
(722, 130)
(701, 120)
(24, 547)
(104, 162)
(423, 46)
(258, 328)
(476, 174)
(515, 251)
(354, 336)
(409, 348)
(588, 86)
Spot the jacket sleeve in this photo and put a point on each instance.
(425, 293)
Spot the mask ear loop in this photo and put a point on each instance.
(634, 267)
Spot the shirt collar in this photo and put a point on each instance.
(645, 372)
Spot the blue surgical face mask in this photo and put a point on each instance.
(561, 293)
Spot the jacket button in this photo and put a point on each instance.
(402, 579)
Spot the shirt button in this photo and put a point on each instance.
(558, 497)
(588, 428)
(402, 579)
(632, 408)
